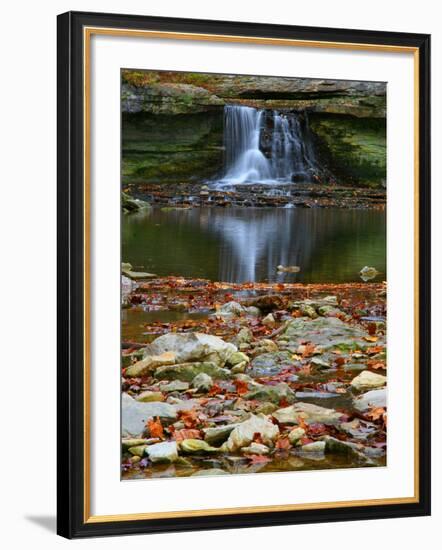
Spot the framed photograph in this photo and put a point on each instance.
(243, 274)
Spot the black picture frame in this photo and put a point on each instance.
(72, 521)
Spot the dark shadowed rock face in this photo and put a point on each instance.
(173, 124)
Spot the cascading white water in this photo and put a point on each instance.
(245, 161)
(289, 152)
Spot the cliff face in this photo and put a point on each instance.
(172, 122)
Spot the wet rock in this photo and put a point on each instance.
(230, 309)
(358, 429)
(165, 452)
(150, 396)
(149, 364)
(368, 273)
(253, 311)
(256, 449)
(239, 368)
(195, 446)
(315, 447)
(269, 320)
(368, 380)
(274, 394)
(270, 363)
(328, 311)
(175, 385)
(192, 347)
(126, 270)
(335, 446)
(318, 362)
(187, 371)
(308, 412)
(296, 435)
(266, 303)
(288, 269)
(138, 450)
(373, 398)
(266, 408)
(327, 332)
(135, 415)
(265, 346)
(202, 382)
(127, 287)
(182, 404)
(238, 357)
(244, 336)
(308, 310)
(245, 432)
(219, 434)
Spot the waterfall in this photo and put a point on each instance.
(244, 160)
(264, 146)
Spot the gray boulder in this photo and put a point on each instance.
(192, 347)
(308, 412)
(165, 452)
(273, 394)
(135, 414)
(327, 332)
(371, 399)
(187, 371)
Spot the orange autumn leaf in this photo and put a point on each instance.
(375, 349)
(283, 444)
(376, 412)
(371, 338)
(155, 428)
(376, 365)
(242, 387)
(190, 418)
(215, 390)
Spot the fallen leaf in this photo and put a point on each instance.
(241, 386)
(190, 418)
(155, 428)
(283, 444)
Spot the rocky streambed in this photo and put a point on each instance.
(222, 378)
(188, 195)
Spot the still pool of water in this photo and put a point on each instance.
(247, 244)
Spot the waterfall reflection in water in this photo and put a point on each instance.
(247, 244)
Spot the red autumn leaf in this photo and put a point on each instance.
(316, 429)
(242, 387)
(155, 428)
(215, 390)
